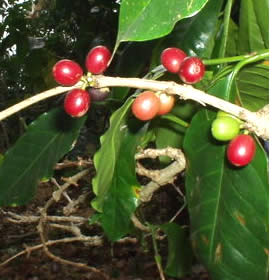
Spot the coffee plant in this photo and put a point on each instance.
(186, 83)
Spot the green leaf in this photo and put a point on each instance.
(179, 250)
(196, 35)
(168, 134)
(199, 38)
(253, 85)
(224, 87)
(252, 35)
(229, 233)
(35, 153)
(223, 36)
(121, 201)
(127, 66)
(151, 19)
(1, 159)
(261, 9)
(232, 43)
(228, 206)
(106, 157)
(115, 182)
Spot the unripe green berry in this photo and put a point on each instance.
(225, 114)
(225, 128)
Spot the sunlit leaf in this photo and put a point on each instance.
(149, 19)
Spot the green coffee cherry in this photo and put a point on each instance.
(221, 114)
(225, 128)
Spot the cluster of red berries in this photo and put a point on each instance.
(67, 73)
(189, 68)
(241, 148)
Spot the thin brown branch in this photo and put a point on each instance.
(43, 220)
(79, 163)
(258, 123)
(138, 224)
(69, 181)
(35, 99)
(22, 219)
(73, 205)
(62, 260)
(255, 121)
(159, 177)
(93, 241)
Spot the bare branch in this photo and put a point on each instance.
(93, 241)
(159, 177)
(35, 99)
(256, 122)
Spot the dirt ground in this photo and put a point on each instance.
(130, 260)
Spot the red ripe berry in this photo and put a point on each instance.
(67, 72)
(241, 150)
(146, 106)
(171, 59)
(97, 59)
(191, 70)
(77, 102)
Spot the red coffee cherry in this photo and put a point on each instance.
(241, 150)
(191, 70)
(146, 106)
(77, 102)
(67, 72)
(171, 59)
(97, 59)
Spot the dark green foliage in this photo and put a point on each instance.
(33, 156)
(253, 86)
(228, 206)
(180, 252)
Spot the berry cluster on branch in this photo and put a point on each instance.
(84, 89)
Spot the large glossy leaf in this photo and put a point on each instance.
(121, 200)
(179, 250)
(261, 9)
(196, 35)
(253, 31)
(106, 157)
(150, 19)
(229, 232)
(253, 86)
(228, 206)
(199, 38)
(33, 156)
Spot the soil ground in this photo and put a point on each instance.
(126, 261)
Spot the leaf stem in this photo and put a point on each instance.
(255, 55)
(226, 21)
(175, 119)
